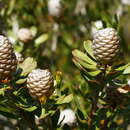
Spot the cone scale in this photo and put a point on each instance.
(25, 35)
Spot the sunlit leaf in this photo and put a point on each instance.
(20, 81)
(26, 107)
(122, 67)
(85, 64)
(27, 66)
(44, 113)
(29, 109)
(41, 39)
(2, 90)
(88, 48)
(94, 73)
(33, 29)
(77, 64)
(127, 70)
(80, 55)
(65, 99)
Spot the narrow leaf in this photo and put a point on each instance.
(25, 107)
(77, 64)
(29, 109)
(122, 67)
(88, 48)
(65, 99)
(20, 81)
(78, 54)
(94, 73)
(27, 66)
(127, 70)
(41, 39)
(33, 29)
(85, 64)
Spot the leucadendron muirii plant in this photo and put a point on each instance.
(99, 65)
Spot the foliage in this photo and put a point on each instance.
(63, 44)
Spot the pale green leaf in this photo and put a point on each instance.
(86, 65)
(20, 81)
(88, 48)
(2, 90)
(94, 73)
(44, 114)
(127, 70)
(65, 99)
(27, 66)
(77, 64)
(33, 29)
(80, 55)
(29, 109)
(122, 67)
(41, 39)
(11, 6)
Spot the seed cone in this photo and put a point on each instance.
(25, 35)
(40, 84)
(106, 45)
(8, 61)
(68, 117)
(19, 57)
(54, 7)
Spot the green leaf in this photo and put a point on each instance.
(80, 114)
(9, 115)
(88, 73)
(41, 39)
(122, 67)
(20, 81)
(33, 29)
(88, 48)
(113, 75)
(77, 64)
(27, 66)
(2, 90)
(68, 38)
(44, 114)
(80, 55)
(30, 109)
(19, 91)
(26, 107)
(85, 77)
(11, 6)
(6, 109)
(94, 73)
(86, 65)
(65, 99)
(127, 70)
